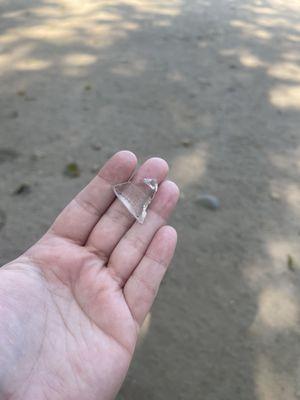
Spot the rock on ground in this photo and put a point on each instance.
(145, 75)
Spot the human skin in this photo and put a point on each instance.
(72, 305)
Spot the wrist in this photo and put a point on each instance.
(17, 311)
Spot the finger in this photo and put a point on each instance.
(131, 248)
(117, 220)
(142, 287)
(80, 216)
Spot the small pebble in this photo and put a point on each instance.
(7, 154)
(87, 87)
(274, 195)
(208, 201)
(37, 155)
(94, 168)
(186, 142)
(231, 89)
(13, 114)
(96, 146)
(30, 98)
(72, 170)
(21, 92)
(24, 188)
(2, 219)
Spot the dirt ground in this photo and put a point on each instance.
(213, 87)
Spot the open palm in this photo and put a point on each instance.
(71, 306)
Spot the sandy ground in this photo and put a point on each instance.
(224, 78)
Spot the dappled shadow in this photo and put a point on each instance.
(144, 75)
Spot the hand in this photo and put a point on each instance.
(71, 306)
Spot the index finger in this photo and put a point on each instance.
(79, 217)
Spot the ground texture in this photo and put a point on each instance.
(213, 87)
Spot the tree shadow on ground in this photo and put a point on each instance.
(144, 76)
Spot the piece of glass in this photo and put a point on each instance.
(136, 197)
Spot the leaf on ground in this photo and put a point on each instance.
(22, 189)
(72, 170)
(291, 263)
(7, 154)
(2, 219)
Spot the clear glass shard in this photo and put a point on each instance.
(136, 197)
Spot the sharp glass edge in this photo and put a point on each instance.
(152, 183)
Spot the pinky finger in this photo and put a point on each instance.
(142, 286)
